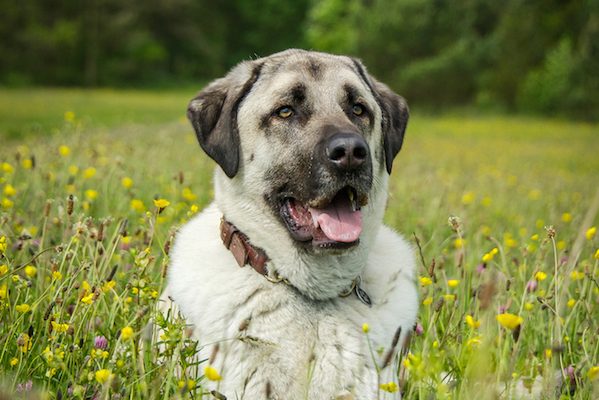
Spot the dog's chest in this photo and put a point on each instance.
(282, 340)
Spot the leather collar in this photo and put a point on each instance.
(243, 251)
(246, 254)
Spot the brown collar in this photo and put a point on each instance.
(243, 251)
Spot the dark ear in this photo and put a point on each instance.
(213, 114)
(395, 114)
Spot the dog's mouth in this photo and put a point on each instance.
(334, 222)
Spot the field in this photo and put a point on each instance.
(502, 212)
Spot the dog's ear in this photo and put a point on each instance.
(213, 114)
(395, 114)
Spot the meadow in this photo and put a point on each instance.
(502, 212)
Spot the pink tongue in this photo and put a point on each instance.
(338, 221)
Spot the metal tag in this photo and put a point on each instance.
(362, 295)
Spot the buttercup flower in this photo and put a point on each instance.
(593, 372)
(509, 321)
(23, 308)
(161, 203)
(471, 322)
(127, 333)
(425, 281)
(453, 283)
(64, 150)
(9, 190)
(127, 182)
(88, 299)
(103, 375)
(590, 233)
(540, 276)
(365, 327)
(390, 387)
(89, 173)
(30, 271)
(211, 373)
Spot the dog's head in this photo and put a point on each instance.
(308, 139)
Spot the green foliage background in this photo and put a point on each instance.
(529, 56)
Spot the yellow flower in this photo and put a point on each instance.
(540, 276)
(23, 308)
(9, 190)
(73, 170)
(91, 194)
(475, 341)
(89, 299)
(528, 306)
(561, 244)
(3, 244)
(56, 275)
(425, 281)
(390, 387)
(3, 290)
(188, 194)
(449, 297)
(548, 353)
(69, 116)
(103, 375)
(427, 301)
(488, 257)
(30, 271)
(468, 198)
(108, 286)
(194, 209)
(566, 217)
(137, 205)
(127, 333)
(535, 237)
(89, 173)
(593, 372)
(571, 303)
(453, 283)
(576, 275)
(590, 233)
(127, 182)
(27, 163)
(14, 361)
(64, 150)
(509, 321)
(59, 328)
(3, 269)
(7, 203)
(365, 327)
(161, 203)
(211, 373)
(86, 286)
(459, 243)
(24, 343)
(7, 168)
(596, 254)
(471, 322)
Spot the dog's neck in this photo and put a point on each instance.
(246, 254)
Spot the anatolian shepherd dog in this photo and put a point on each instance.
(292, 258)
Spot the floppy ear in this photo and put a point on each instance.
(395, 114)
(213, 114)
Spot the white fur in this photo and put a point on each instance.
(287, 329)
(300, 339)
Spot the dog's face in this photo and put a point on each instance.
(306, 137)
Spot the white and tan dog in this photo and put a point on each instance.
(292, 258)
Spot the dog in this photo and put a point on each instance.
(291, 265)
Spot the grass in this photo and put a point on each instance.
(500, 209)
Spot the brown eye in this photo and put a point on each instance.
(358, 109)
(285, 112)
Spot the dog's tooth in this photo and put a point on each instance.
(352, 200)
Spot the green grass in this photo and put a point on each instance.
(505, 178)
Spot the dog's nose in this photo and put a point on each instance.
(347, 151)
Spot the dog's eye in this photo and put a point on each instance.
(285, 112)
(358, 109)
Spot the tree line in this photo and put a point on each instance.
(533, 56)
